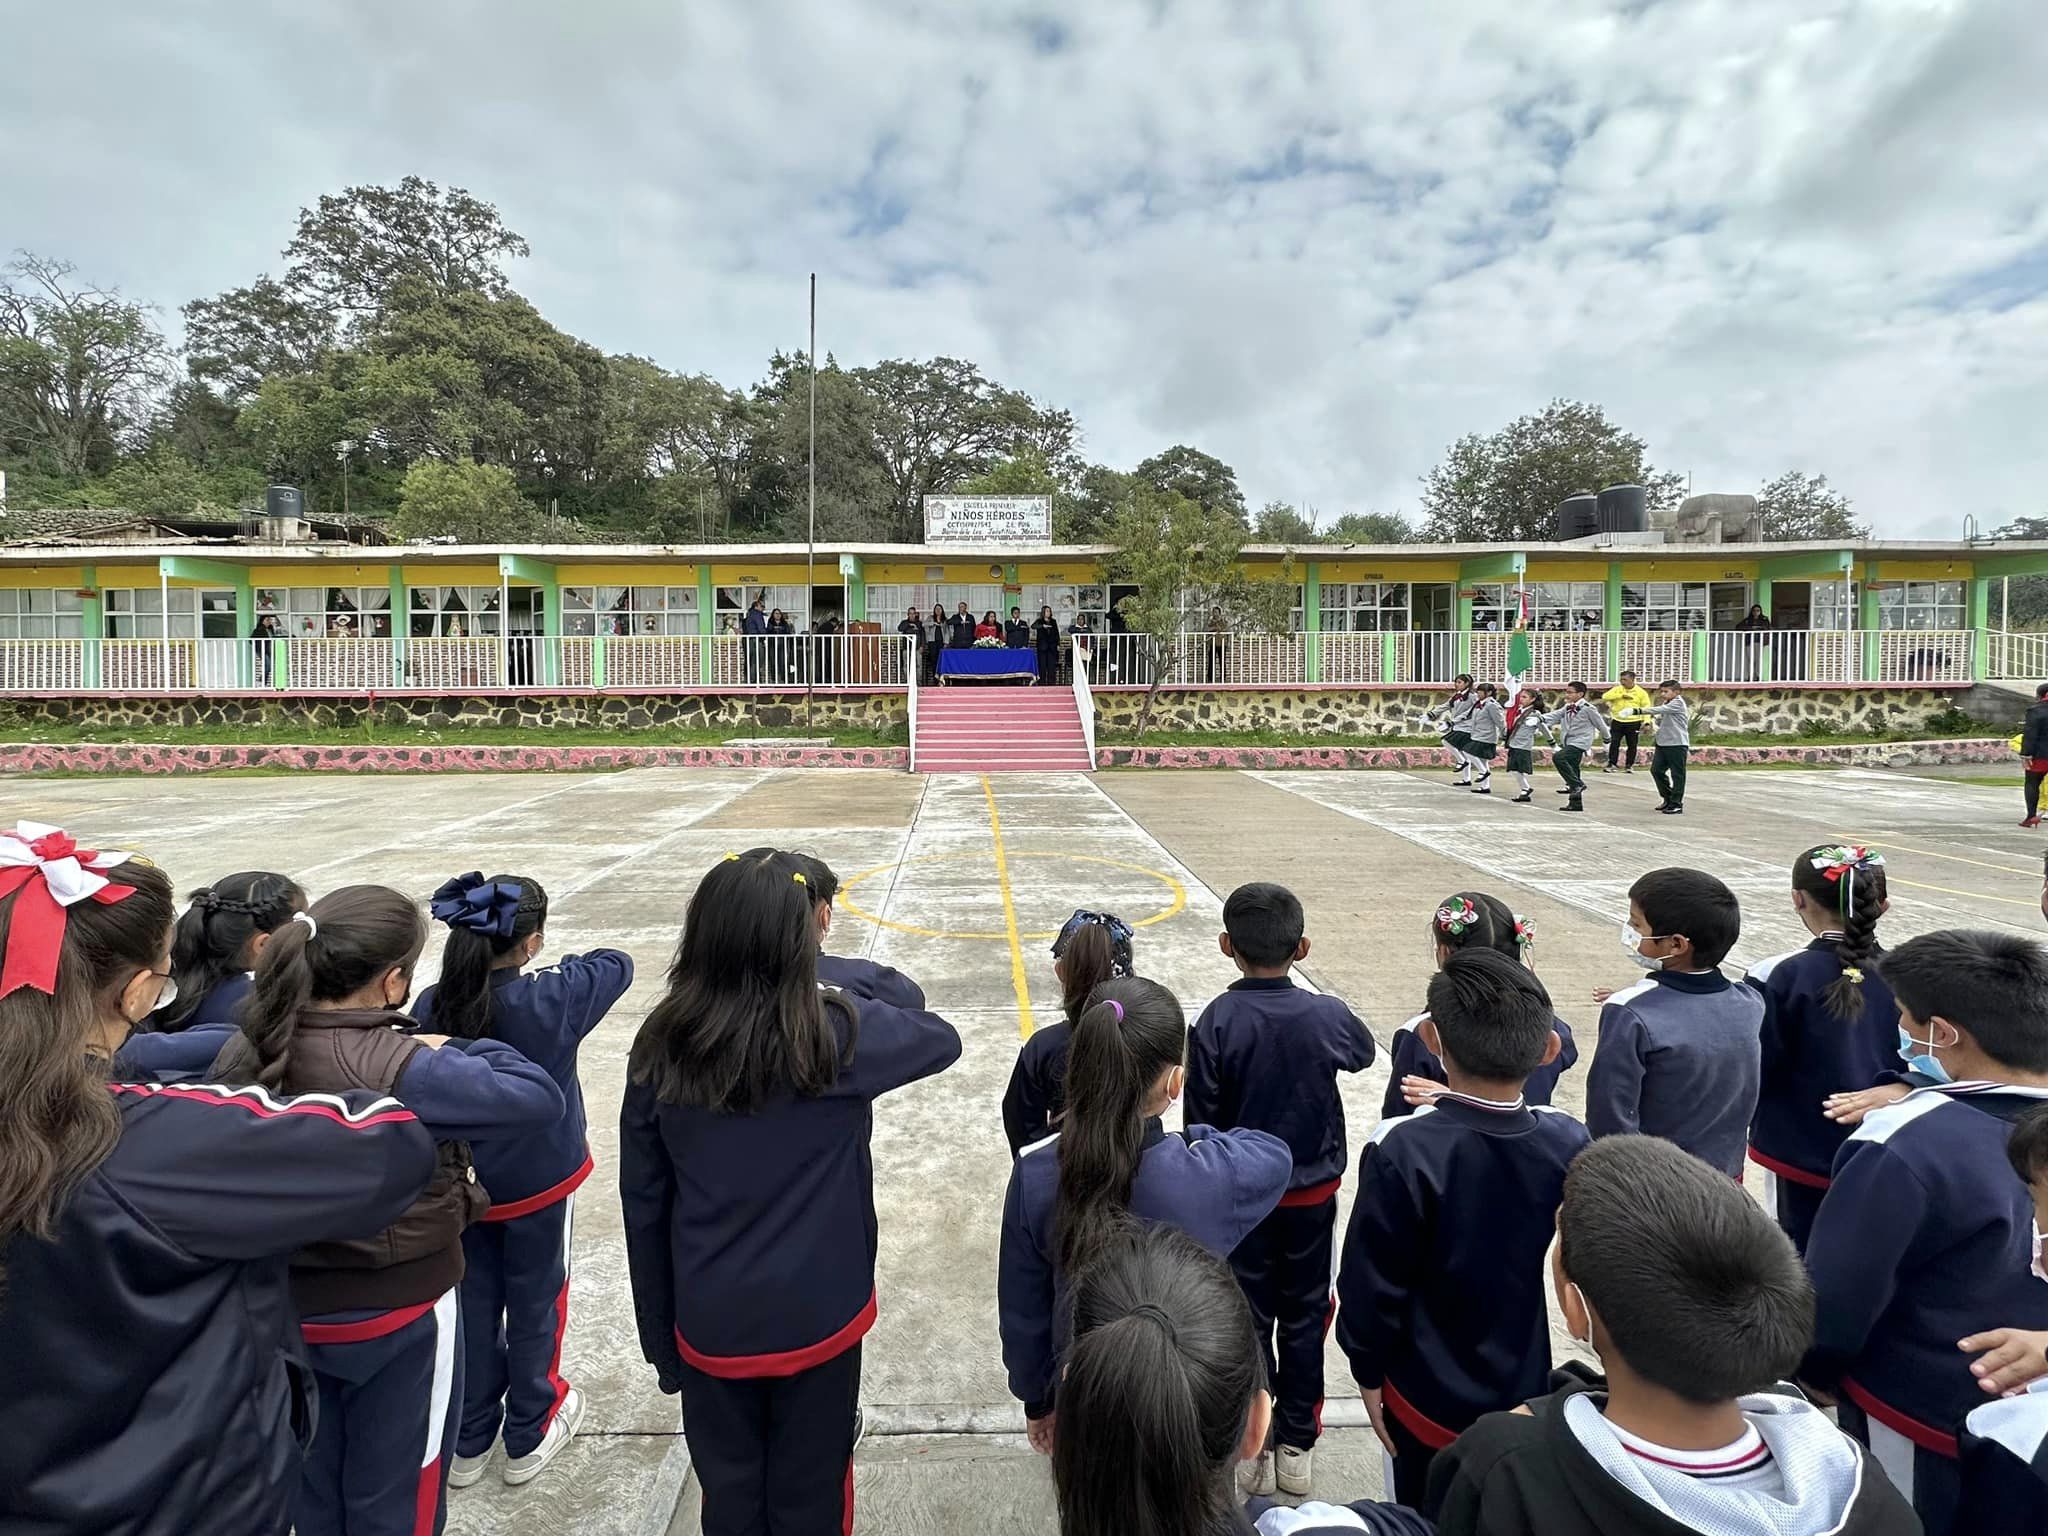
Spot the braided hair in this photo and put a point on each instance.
(1848, 880)
(216, 936)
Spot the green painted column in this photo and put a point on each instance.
(853, 574)
(551, 632)
(1867, 620)
(93, 622)
(1390, 657)
(1312, 624)
(707, 623)
(1700, 671)
(1464, 623)
(401, 624)
(1978, 621)
(1611, 618)
(245, 624)
(1768, 650)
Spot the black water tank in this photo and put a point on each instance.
(283, 501)
(1624, 509)
(1578, 516)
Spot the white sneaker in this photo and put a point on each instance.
(1294, 1470)
(465, 1470)
(1256, 1477)
(524, 1469)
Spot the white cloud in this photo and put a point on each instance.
(1321, 241)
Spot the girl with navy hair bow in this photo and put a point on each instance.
(515, 1286)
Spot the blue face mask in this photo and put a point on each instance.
(1919, 1056)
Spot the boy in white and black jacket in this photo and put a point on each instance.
(1577, 725)
(1696, 1304)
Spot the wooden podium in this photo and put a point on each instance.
(863, 652)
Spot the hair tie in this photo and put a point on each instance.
(488, 907)
(1525, 932)
(1456, 915)
(731, 858)
(1116, 1008)
(47, 873)
(798, 876)
(312, 928)
(1853, 973)
(1157, 1314)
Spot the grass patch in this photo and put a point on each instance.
(290, 733)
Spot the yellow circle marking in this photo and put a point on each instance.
(846, 904)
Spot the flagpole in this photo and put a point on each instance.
(811, 546)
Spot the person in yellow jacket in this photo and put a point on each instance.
(1628, 703)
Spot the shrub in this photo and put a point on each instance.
(1952, 722)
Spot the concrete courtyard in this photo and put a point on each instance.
(961, 882)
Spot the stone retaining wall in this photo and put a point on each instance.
(1876, 754)
(152, 759)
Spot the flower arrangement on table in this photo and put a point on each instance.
(989, 643)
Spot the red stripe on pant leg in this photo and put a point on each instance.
(426, 1504)
(555, 1360)
(846, 1528)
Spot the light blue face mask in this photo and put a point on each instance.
(1923, 1061)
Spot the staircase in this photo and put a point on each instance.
(999, 730)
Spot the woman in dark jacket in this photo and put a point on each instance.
(1045, 633)
(2034, 748)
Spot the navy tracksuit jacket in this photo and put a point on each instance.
(1265, 1056)
(2005, 1465)
(1678, 1058)
(154, 1379)
(1924, 1236)
(1037, 1095)
(751, 1242)
(1808, 1054)
(515, 1282)
(866, 978)
(1441, 1290)
(1216, 1186)
(1409, 1057)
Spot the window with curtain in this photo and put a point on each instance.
(309, 613)
(138, 613)
(41, 614)
(1364, 607)
(630, 610)
(453, 613)
(1662, 606)
(1922, 605)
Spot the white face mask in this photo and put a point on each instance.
(1633, 942)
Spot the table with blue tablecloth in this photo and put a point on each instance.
(988, 664)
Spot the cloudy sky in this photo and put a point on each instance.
(1319, 240)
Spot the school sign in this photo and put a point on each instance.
(1023, 520)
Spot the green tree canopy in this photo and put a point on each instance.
(79, 367)
(1280, 523)
(1505, 486)
(1370, 528)
(1202, 478)
(1797, 505)
(468, 502)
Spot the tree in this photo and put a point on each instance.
(1183, 559)
(2021, 601)
(1505, 487)
(1201, 478)
(1279, 523)
(471, 503)
(353, 250)
(247, 335)
(939, 423)
(1797, 505)
(1370, 528)
(856, 495)
(79, 367)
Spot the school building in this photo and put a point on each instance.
(233, 617)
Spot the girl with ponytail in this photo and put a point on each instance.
(1469, 920)
(1164, 1393)
(1092, 947)
(515, 1281)
(747, 1177)
(1830, 1027)
(380, 1314)
(142, 1228)
(217, 943)
(1113, 1160)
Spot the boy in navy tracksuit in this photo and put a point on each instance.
(851, 973)
(1924, 1235)
(1440, 1296)
(1830, 1026)
(750, 1220)
(515, 1282)
(1266, 1055)
(1679, 1055)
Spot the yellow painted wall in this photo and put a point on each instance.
(60, 577)
(1395, 568)
(1687, 570)
(774, 573)
(1922, 570)
(446, 576)
(650, 575)
(971, 572)
(1565, 570)
(328, 573)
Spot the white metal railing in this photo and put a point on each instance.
(914, 667)
(1084, 699)
(890, 662)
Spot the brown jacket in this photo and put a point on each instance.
(419, 1256)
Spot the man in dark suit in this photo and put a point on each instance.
(963, 629)
(755, 627)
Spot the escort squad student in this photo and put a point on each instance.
(219, 939)
(515, 1280)
(1265, 1055)
(849, 973)
(381, 1317)
(143, 1228)
(1092, 947)
(1697, 1307)
(1164, 1393)
(745, 1173)
(1112, 1160)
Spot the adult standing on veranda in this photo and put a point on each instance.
(961, 628)
(755, 629)
(1754, 626)
(1016, 633)
(912, 629)
(1045, 633)
(2034, 749)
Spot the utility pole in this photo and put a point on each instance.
(811, 547)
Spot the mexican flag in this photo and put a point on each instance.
(1519, 662)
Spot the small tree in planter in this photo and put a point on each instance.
(1183, 557)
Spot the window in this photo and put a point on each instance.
(1367, 607)
(1921, 605)
(453, 613)
(1559, 606)
(1664, 606)
(30, 614)
(137, 613)
(629, 610)
(311, 613)
(1834, 605)
(732, 604)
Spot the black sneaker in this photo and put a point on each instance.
(1522, 799)
(1674, 810)
(1482, 791)
(1571, 805)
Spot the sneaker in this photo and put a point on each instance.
(1674, 810)
(1522, 799)
(1628, 770)
(1292, 1470)
(524, 1469)
(1482, 791)
(1256, 1477)
(1571, 805)
(1610, 768)
(1563, 791)
(465, 1470)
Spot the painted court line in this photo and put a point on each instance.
(1025, 1023)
